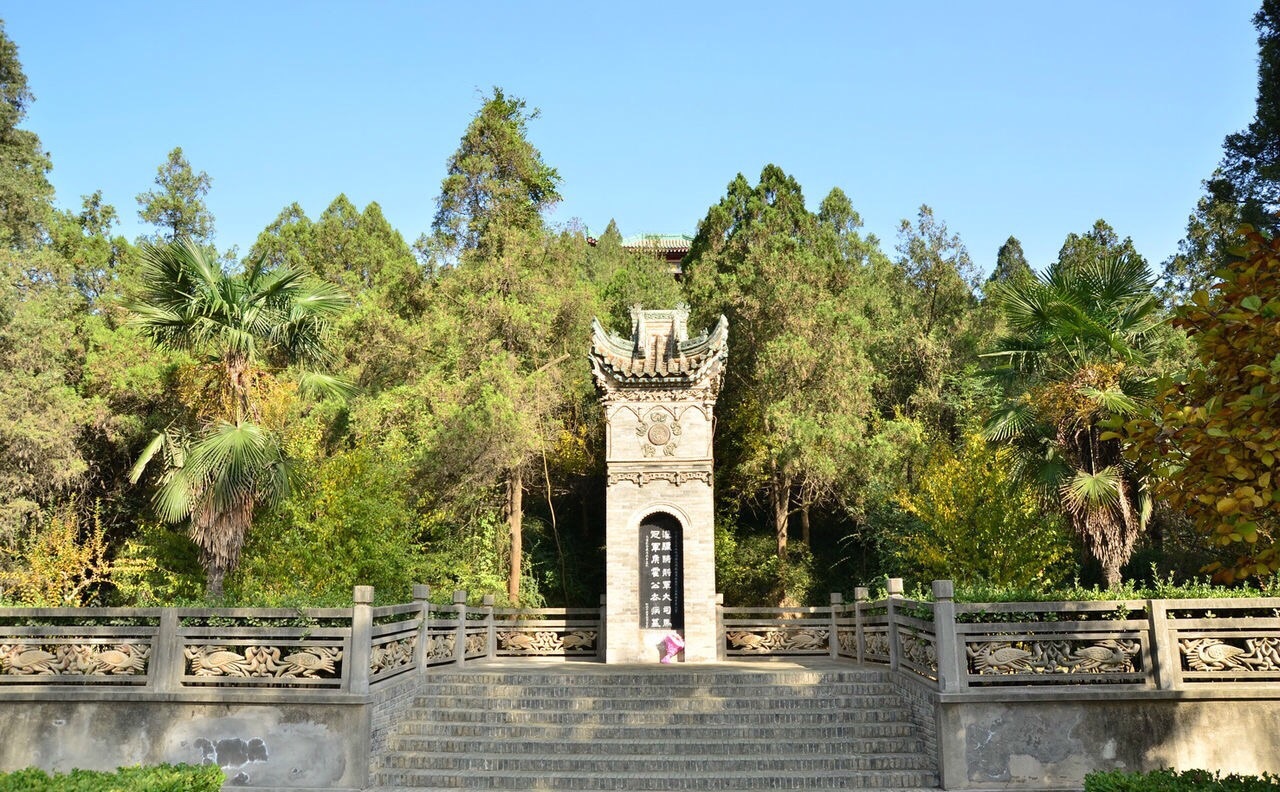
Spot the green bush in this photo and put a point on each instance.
(161, 778)
(1174, 781)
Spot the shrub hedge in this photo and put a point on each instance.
(1174, 781)
(159, 778)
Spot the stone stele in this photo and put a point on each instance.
(659, 389)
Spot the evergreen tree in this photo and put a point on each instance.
(1099, 242)
(177, 208)
(797, 407)
(85, 241)
(1011, 264)
(517, 306)
(1251, 158)
(1211, 233)
(25, 191)
(495, 177)
(1245, 187)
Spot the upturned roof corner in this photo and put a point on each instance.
(659, 352)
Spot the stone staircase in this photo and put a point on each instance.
(586, 726)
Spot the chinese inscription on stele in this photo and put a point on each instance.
(660, 578)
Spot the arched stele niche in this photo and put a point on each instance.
(661, 555)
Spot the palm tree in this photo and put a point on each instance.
(221, 460)
(1076, 358)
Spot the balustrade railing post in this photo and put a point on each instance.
(422, 598)
(721, 651)
(491, 629)
(357, 660)
(946, 642)
(860, 596)
(600, 634)
(833, 634)
(895, 593)
(168, 663)
(1164, 655)
(460, 639)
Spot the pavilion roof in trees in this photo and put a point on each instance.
(659, 353)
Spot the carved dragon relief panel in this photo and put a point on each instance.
(301, 662)
(876, 643)
(477, 644)
(440, 645)
(918, 649)
(73, 659)
(778, 640)
(848, 640)
(547, 642)
(1064, 656)
(393, 654)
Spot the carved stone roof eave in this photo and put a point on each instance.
(697, 362)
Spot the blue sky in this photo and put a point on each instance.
(1024, 118)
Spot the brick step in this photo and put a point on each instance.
(596, 689)
(780, 784)
(772, 719)
(898, 781)
(735, 732)
(657, 700)
(659, 765)
(464, 675)
(670, 743)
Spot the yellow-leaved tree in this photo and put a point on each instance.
(975, 522)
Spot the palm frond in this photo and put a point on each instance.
(174, 498)
(1085, 492)
(1113, 400)
(156, 443)
(1011, 420)
(326, 386)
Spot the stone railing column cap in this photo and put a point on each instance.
(363, 595)
(460, 597)
(894, 587)
(421, 591)
(944, 590)
(861, 594)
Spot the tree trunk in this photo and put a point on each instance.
(515, 525)
(1111, 570)
(804, 524)
(780, 500)
(214, 576)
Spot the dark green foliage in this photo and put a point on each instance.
(749, 572)
(1011, 264)
(1211, 233)
(1251, 157)
(1177, 781)
(495, 178)
(177, 208)
(627, 278)
(352, 525)
(161, 778)
(1245, 187)
(25, 191)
